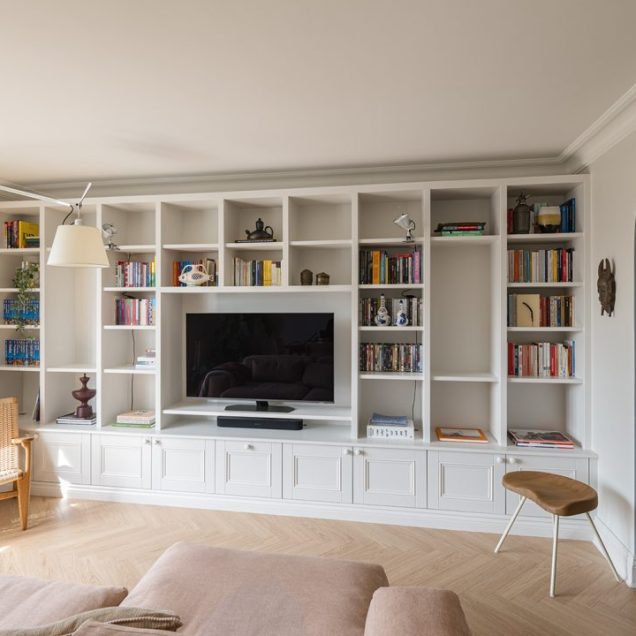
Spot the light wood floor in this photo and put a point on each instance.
(109, 543)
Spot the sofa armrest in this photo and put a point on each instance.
(415, 611)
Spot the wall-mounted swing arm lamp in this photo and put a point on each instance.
(75, 245)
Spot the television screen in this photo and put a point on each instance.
(271, 356)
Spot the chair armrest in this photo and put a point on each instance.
(414, 611)
(22, 441)
(25, 442)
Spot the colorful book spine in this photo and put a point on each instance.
(541, 266)
(390, 358)
(541, 360)
(254, 273)
(135, 274)
(381, 267)
(22, 353)
(554, 311)
(135, 311)
(15, 311)
(20, 234)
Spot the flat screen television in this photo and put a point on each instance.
(258, 357)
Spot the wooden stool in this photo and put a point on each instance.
(561, 497)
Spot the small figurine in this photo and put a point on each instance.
(193, 275)
(606, 286)
(322, 279)
(306, 277)
(401, 319)
(383, 317)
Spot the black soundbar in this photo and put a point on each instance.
(260, 422)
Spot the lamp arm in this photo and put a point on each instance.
(35, 195)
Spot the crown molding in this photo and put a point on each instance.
(614, 125)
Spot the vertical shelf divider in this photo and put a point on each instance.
(355, 337)
(426, 295)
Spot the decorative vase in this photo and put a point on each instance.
(322, 279)
(401, 319)
(306, 277)
(84, 410)
(521, 216)
(383, 317)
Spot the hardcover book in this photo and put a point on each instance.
(470, 435)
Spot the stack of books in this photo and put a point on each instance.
(136, 419)
(257, 273)
(148, 360)
(20, 234)
(71, 419)
(541, 266)
(135, 274)
(209, 265)
(22, 353)
(534, 310)
(14, 311)
(390, 358)
(135, 311)
(379, 267)
(541, 439)
(541, 360)
(397, 427)
(461, 228)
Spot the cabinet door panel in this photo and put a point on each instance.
(62, 458)
(183, 465)
(122, 461)
(466, 482)
(573, 467)
(251, 469)
(390, 477)
(313, 472)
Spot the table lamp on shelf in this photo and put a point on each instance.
(406, 223)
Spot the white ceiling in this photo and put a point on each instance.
(129, 88)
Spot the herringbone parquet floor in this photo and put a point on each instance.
(507, 594)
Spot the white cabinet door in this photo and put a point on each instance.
(573, 467)
(313, 472)
(251, 469)
(389, 477)
(466, 482)
(183, 465)
(122, 461)
(62, 458)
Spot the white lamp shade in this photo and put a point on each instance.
(78, 246)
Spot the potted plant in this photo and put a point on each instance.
(27, 277)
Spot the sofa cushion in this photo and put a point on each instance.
(415, 611)
(29, 602)
(218, 592)
(93, 628)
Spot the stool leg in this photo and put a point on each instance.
(555, 541)
(604, 549)
(509, 526)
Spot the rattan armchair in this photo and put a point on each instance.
(10, 470)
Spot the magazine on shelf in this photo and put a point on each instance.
(70, 418)
(469, 435)
(541, 439)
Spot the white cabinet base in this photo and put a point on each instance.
(183, 465)
(121, 460)
(62, 458)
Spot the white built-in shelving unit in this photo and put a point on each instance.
(464, 290)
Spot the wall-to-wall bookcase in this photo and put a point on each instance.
(464, 290)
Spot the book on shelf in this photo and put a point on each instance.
(71, 419)
(465, 435)
(541, 439)
(390, 358)
(384, 267)
(542, 360)
(541, 265)
(135, 311)
(461, 228)
(390, 427)
(135, 274)
(22, 352)
(20, 234)
(209, 264)
(14, 310)
(253, 273)
(536, 310)
(132, 425)
(412, 306)
(140, 417)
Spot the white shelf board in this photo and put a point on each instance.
(393, 329)
(486, 239)
(131, 369)
(392, 286)
(326, 245)
(261, 247)
(19, 250)
(74, 367)
(543, 285)
(130, 327)
(191, 247)
(200, 408)
(194, 289)
(544, 329)
(544, 238)
(395, 375)
(7, 367)
(26, 327)
(391, 242)
(123, 290)
(134, 249)
(14, 290)
(531, 380)
(319, 289)
(464, 377)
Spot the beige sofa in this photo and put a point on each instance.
(219, 592)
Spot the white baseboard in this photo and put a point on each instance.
(424, 518)
(622, 557)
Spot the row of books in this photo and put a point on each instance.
(541, 266)
(390, 357)
(535, 310)
(209, 265)
(541, 439)
(257, 273)
(568, 216)
(368, 309)
(541, 360)
(135, 274)
(461, 228)
(14, 310)
(135, 311)
(380, 267)
(396, 427)
(20, 234)
(22, 353)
